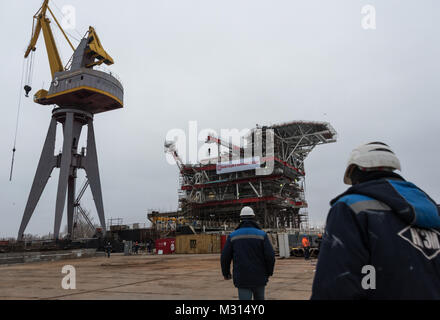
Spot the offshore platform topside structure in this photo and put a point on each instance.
(213, 191)
(78, 92)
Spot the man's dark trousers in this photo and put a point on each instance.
(247, 293)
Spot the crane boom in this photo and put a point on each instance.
(43, 23)
(232, 147)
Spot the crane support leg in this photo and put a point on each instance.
(66, 159)
(70, 204)
(69, 161)
(92, 171)
(47, 162)
(72, 132)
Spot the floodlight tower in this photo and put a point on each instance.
(79, 92)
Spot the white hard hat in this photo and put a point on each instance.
(373, 155)
(247, 212)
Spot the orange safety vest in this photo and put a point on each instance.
(305, 242)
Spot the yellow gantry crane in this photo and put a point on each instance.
(78, 92)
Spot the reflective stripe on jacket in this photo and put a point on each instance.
(254, 258)
(382, 241)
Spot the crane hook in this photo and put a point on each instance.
(12, 163)
(27, 89)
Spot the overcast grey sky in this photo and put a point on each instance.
(231, 64)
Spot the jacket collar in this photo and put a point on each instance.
(248, 224)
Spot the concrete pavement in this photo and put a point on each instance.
(140, 277)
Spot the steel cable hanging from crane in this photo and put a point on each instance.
(29, 74)
(75, 29)
(17, 121)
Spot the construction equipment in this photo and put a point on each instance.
(233, 150)
(170, 147)
(166, 221)
(79, 92)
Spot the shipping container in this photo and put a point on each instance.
(198, 244)
(165, 246)
(223, 241)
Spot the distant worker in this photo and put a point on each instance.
(254, 258)
(108, 249)
(306, 246)
(319, 241)
(136, 247)
(382, 235)
(148, 246)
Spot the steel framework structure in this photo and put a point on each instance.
(212, 198)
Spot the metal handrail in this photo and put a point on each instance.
(105, 70)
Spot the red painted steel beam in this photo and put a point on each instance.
(246, 200)
(214, 167)
(239, 181)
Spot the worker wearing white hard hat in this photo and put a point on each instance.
(253, 255)
(374, 156)
(247, 213)
(385, 223)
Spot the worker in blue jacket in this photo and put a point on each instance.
(382, 238)
(254, 258)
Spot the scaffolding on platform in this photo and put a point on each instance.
(266, 172)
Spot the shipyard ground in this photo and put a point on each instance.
(154, 277)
